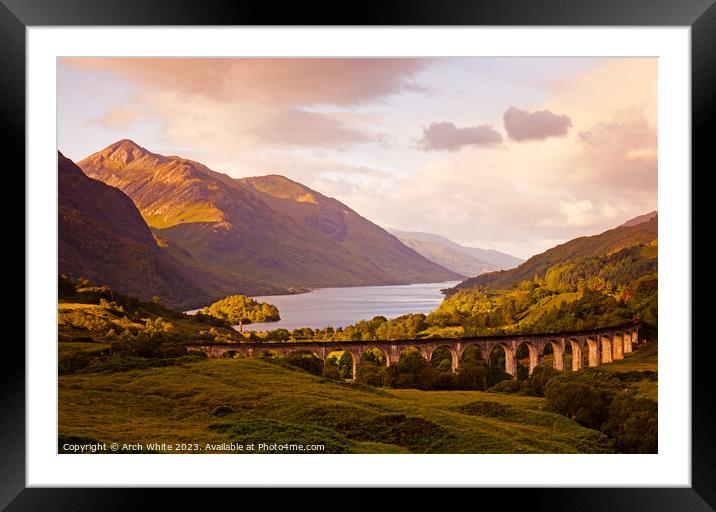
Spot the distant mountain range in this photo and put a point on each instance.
(266, 234)
(634, 232)
(469, 261)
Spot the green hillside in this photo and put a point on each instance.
(102, 330)
(126, 377)
(223, 400)
(583, 247)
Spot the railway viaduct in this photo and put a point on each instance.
(589, 348)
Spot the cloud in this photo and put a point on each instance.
(446, 136)
(295, 81)
(275, 102)
(297, 127)
(118, 118)
(622, 151)
(522, 125)
(344, 130)
(526, 198)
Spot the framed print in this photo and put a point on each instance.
(410, 248)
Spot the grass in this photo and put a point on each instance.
(251, 401)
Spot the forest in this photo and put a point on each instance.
(584, 293)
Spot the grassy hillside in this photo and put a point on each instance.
(95, 323)
(582, 247)
(215, 401)
(125, 377)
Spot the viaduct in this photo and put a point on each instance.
(589, 348)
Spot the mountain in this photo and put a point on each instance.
(586, 246)
(448, 257)
(103, 238)
(267, 229)
(470, 261)
(641, 218)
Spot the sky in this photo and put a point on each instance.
(513, 154)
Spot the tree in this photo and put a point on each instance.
(633, 423)
(278, 335)
(237, 309)
(345, 365)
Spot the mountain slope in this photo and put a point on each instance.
(489, 259)
(586, 246)
(448, 257)
(103, 237)
(640, 219)
(269, 229)
(335, 221)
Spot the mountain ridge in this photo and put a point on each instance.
(584, 246)
(259, 226)
(639, 219)
(488, 259)
(103, 238)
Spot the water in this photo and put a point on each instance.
(340, 307)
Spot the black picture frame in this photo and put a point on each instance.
(700, 15)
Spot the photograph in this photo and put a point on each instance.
(357, 255)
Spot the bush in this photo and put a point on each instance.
(472, 375)
(506, 386)
(412, 371)
(579, 401)
(120, 363)
(633, 423)
(537, 382)
(305, 361)
(331, 372)
(222, 410)
(153, 345)
(370, 374)
(278, 335)
(603, 402)
(74, 359)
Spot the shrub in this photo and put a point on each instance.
(278, 335)
(578, 400)
(370, 374)
(222, 410)
(537, 382)
(331, 372)
(506, 386)
(305, 361)
(74, 359)
(472, 375)
(633, 423)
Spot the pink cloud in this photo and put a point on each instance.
(623, 151)
(522, 125)
(292, 127)
(118, 118)
(446, 136)
(297, 81)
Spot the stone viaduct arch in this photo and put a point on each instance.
(454, 356)
(600, 346)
